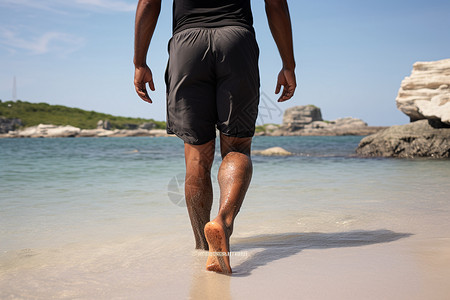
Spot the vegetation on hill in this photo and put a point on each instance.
(33, 114)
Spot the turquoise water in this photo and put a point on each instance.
(95, 217)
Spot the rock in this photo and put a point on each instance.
(159, 133)
(63, 131)
(425, 94)
(307, 121)
(104, 124)
(349, 122)
(271, 127)
(147, 126)
(437, 108)
(297, 117)
(425, 98)
(417, 139)
(344, 126)
(48, 130)
(130, 126)
(274, 151)
(7, 125)
(95, 133)
(318, 125)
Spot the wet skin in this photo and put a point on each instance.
(234, 177)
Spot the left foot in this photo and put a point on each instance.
(218, 259)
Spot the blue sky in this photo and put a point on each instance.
(351, 55)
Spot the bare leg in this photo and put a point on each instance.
(198, 188)
(234, 177)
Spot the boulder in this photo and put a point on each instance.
(274, 151)
(104, 124)
(425, 94)
(147, 126)
(297, 117)
(7, 125)
(416, 139)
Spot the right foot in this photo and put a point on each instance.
(218, 258)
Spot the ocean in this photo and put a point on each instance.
(102, 218)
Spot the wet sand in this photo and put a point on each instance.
(412, 267)
(409, 260)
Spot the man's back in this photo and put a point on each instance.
(208, 13)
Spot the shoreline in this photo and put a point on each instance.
(54, 131)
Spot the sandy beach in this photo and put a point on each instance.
(361, 264)
(408, 259)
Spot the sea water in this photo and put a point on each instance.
(105, 217)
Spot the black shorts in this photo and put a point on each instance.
(212, 79)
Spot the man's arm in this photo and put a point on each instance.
(280, 25)
(147, 14)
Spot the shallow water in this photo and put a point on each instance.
(104, 217)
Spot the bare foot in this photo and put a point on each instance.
(218, 258)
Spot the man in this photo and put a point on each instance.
(212, 80)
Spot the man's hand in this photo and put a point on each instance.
(142, 76)
(286, 78)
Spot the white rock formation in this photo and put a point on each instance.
(274, 151)
(48, 130)
(437, 108)
(426, 93)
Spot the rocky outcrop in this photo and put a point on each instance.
(147, 126)
(342, 126)
(297, 117)
(416, 139)
(104, 124)
(425, 94)
(307, 121)
(274, 151)
(7, 125)
(425, 98)
(46, 130)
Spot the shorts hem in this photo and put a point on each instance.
(189, 139)
(239, 135)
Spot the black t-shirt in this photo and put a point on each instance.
(211, 13)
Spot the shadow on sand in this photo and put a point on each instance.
(278, 246)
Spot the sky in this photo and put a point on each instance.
(351, 55)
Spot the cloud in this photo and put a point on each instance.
(49, 42)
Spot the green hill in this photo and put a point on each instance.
(33, 114)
